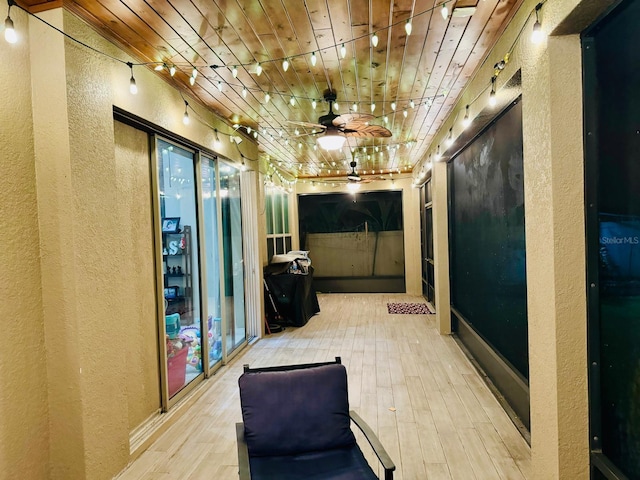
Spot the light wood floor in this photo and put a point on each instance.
(414, 387)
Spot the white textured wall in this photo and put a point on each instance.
(24, 430)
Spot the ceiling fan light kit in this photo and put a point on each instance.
(331, 140)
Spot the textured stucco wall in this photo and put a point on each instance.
(135, 236)
(24, 427)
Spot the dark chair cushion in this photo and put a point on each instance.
(338, 464)
(295, 411)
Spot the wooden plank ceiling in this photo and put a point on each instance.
(428, 68)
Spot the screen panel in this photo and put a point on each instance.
(488, 284)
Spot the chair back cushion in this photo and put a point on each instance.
(295, 411)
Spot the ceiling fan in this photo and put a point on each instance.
(335, 128)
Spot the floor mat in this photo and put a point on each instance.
(411, 308)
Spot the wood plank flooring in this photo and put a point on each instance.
(414, 387)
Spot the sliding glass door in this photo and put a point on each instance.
(212, 254)
(234, 301)
(180, 265)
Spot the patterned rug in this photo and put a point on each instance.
(411, 308)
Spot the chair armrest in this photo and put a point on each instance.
(378, 449)
(243, 453)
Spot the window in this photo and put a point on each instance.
(278, 232)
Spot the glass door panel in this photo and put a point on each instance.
(176, 180)
(212, 260)
(232, 256)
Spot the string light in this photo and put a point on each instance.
(405, 113)
(267, 97)
(336, 106)
(185, 117)
(219, 86)
(258, 69)
(160, 66)
(133, 88)
(285, 64)
(393, 106)
(244, 92)
(450, 137)
(216, 141)
(438, 155)
(466, 121)
(234, 72)
(536, 33)
(172, 70)
(412, 104)
(374, 39)
(314, 104)
(9, 30)
(373, 107)
(292, 101)
(354, 107)
(343, 51)
(407, 27)
(314, 59)
(444, 11)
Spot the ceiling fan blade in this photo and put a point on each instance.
(348, 118)
(357, 130)
(306, 124)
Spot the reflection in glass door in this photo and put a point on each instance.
(232, 256)
(212, 260)
(180, 267)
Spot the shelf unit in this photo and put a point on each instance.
(177, 269)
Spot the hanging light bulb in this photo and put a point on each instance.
(185, 117)
(407, 27)
(267, 97)
(444, 11)
(492, 95)
(438, 155)
(133, 88)
(172, 70)
(216, 141)
(9, 31)
(258, 69)
(285, 64)
(374, 40)
(343, 51)
(292, 101)
(354, 107)
(192, 80)
(466, 121)
(159, 67)
(412, 104)
(450, 137)
(536, 33)
(244, 92)
(336, 106)
(234, 72)
(405, 113)
(373, 107)
(393, 106)
(385, 119)
(194, 73)
(219, 86)
(314, 104)
(314, 59)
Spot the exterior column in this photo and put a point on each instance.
(556, 264)
(439, 185)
